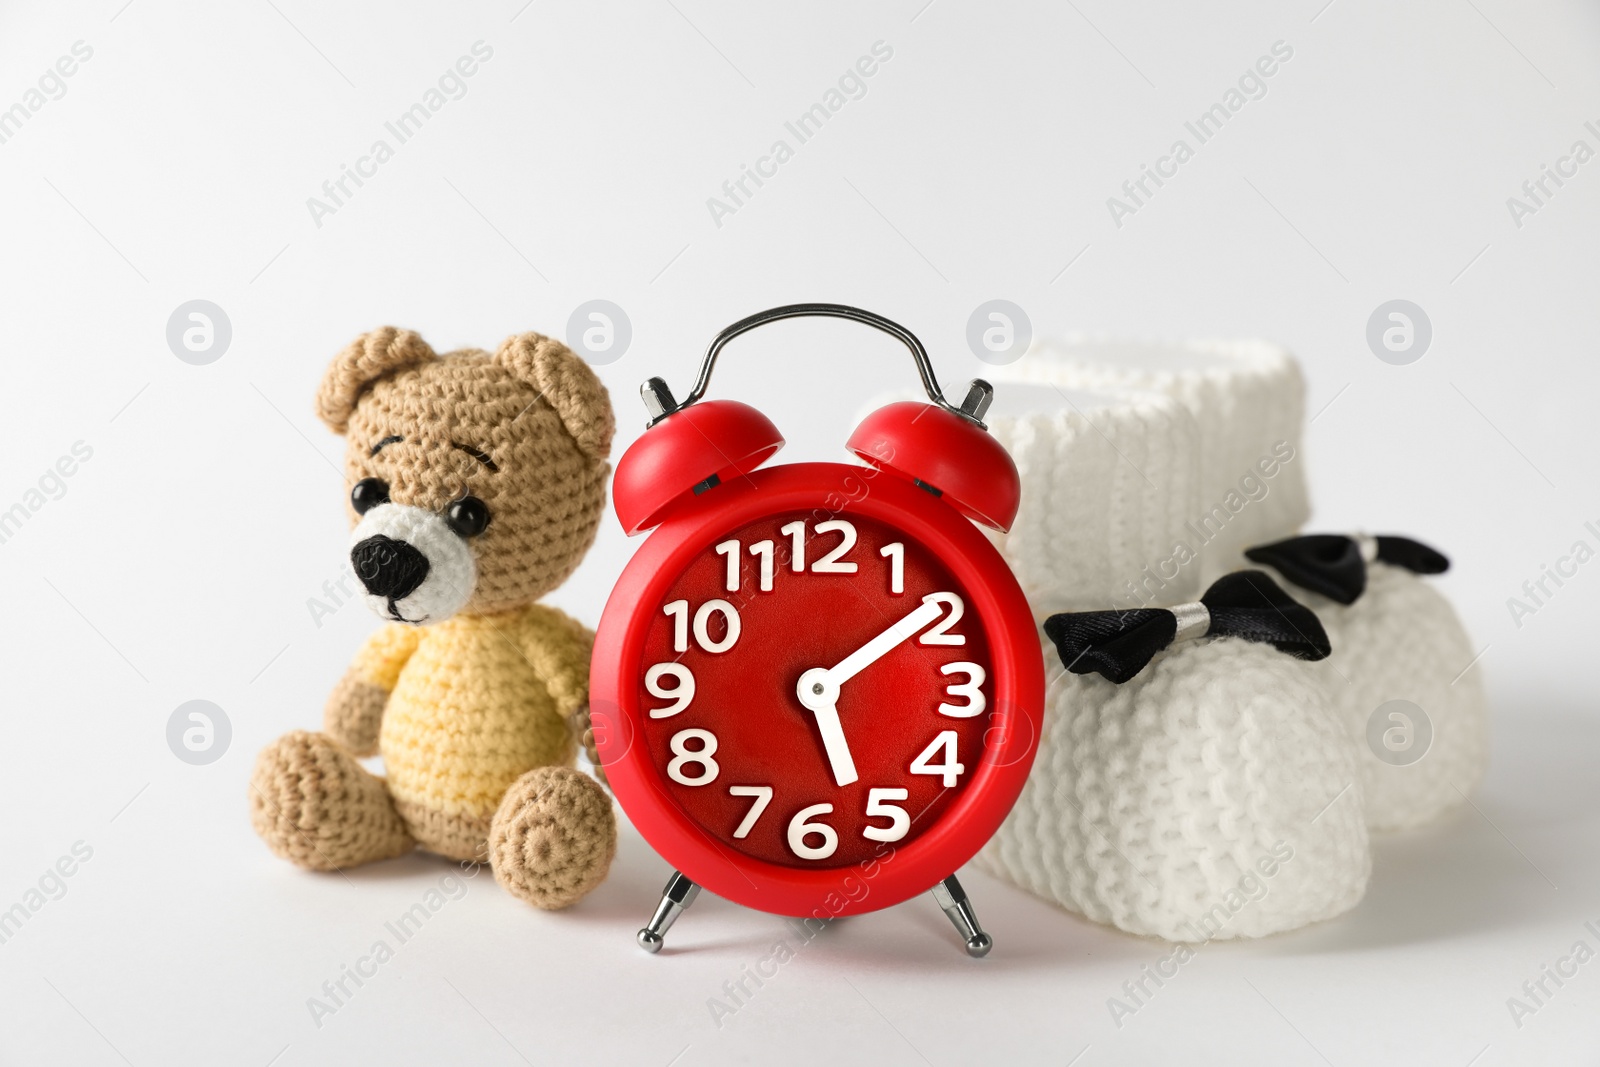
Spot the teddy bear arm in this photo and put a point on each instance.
(583, 733)
(559, 648)
(354, 712)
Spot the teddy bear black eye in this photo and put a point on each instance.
(469, 516)
(368, 493)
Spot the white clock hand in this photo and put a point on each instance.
(873, 650)
(827, 715)
(818, 688)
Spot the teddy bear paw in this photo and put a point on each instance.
(316, 806)
(553, 838)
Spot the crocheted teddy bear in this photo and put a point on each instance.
(478, 482)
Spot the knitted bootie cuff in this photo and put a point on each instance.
(1245, 401)
(1110, 478)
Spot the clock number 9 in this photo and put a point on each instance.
(682, 757)
(682, 691)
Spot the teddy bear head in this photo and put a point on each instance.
(476, 481)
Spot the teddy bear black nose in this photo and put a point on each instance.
(389, 568)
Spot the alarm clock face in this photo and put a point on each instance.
(817, 686)
(813, 686)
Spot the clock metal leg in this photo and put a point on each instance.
(953, 899)
(679, 894)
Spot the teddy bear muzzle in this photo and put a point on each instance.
(414, 567)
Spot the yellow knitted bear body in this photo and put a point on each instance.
(474, 703)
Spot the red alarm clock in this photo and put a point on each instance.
(816, 688)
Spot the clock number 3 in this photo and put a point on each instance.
(970, 689)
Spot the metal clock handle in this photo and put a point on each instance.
(658, 398)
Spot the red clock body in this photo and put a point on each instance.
(816, 686)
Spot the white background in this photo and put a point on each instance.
(179, 562)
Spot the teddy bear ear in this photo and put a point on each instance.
(363, 361)
(568, 384)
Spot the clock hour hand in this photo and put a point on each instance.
(818, 697)
(818, 688)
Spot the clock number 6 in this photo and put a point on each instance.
(682, 757)
(800, 828)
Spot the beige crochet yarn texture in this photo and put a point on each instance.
(471, 713)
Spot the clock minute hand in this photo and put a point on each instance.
(873, 650)
(818, 688)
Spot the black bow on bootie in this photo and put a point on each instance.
(1247, 604)
(1336, 566)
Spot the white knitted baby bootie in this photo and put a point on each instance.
(1109, 482)
(1245, 401)
(1399, 674)
(1211, 794)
